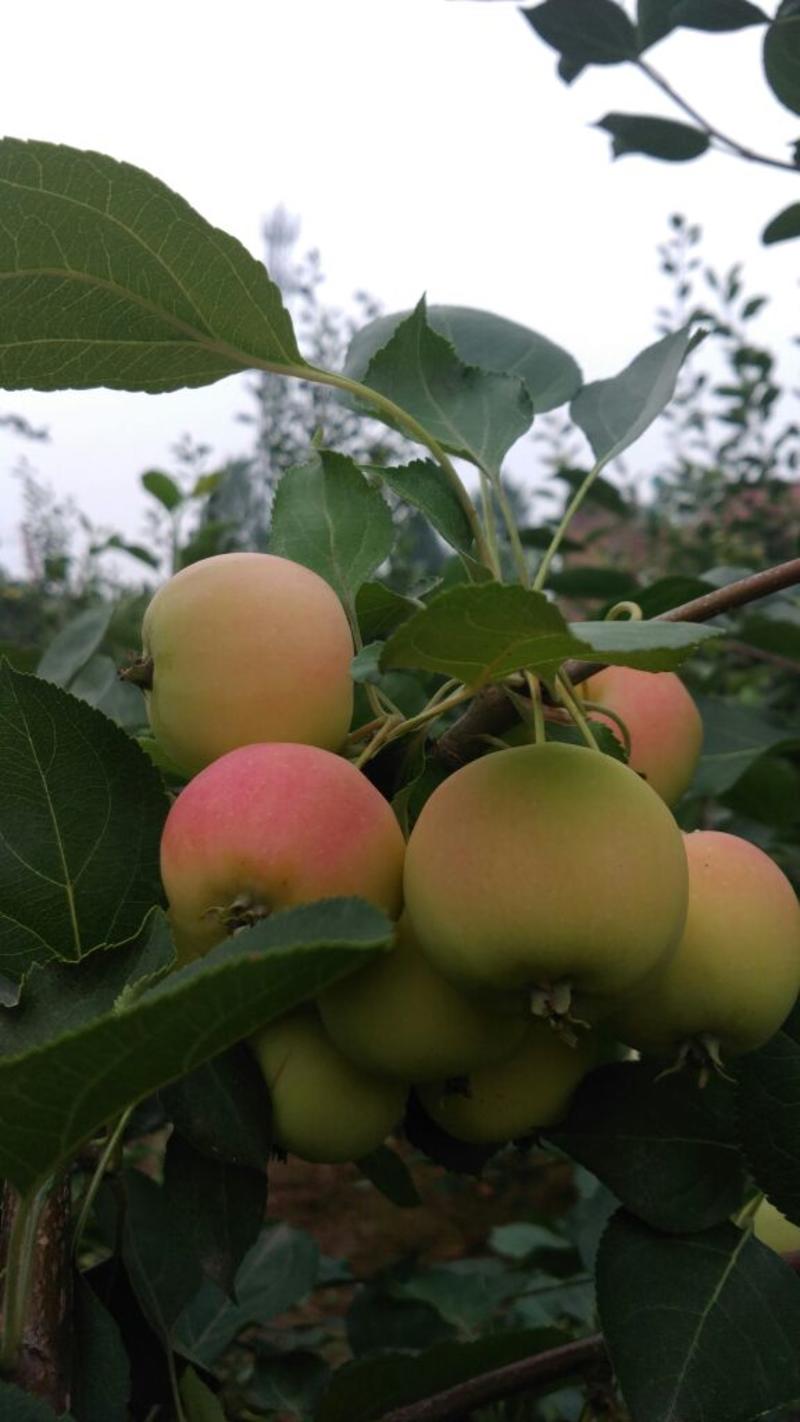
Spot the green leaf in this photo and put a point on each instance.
(158, 1251)
(101, 1371)
(19, 1406)
(521, 1240)
(769, 1103)
(162, 488)
(199, 1402)
(601, 492)
(782, 60)
(80, 826)
(586, 31)
(668, 1151)
(58, 998)
(366, 1390)
(289, 1384)
(74, 645)
(784, 225)
(585, 581)
(423, 484)
(223, 1109)
(735, 736)
(222, 1204)
(365, 666)
(109, 278)
(279, 1271)
(651, 646)
(655, 137)
(482, 634)
(380, 609)
(702, 1329)
(717, 15)
(481, 338)
(389, 1174)
(670, 592)
(472, 412)
(53, 1097)
(326, 516)
(614, 413)
(654, 20)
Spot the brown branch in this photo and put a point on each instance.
(491, 713)
(527, 1375)
(44, 1359)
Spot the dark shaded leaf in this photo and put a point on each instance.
(586, 31)
(221, 1204)
(700, 1329)
(223, 1109)
(769, 1104)
(782, 59)
(389, 1174)
(655, 137)
(101, 1369)
(784, 225)
(71, 881)
(667, 1150)
(162, 488)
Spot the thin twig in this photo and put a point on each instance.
(730, 145)
(526, 1375)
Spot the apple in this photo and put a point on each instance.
(774, 1230)
(399, 1017)
(546, 870)
(324, 1108)
(246, 647)
(736, 973)
(531, 1089)
(269, 826)
(663, 722)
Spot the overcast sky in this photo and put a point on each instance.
(427, 145)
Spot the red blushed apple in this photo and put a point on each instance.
(271, 826)
(664, 724)
(246, 647)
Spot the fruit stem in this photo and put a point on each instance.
(565, 521)
(535, 690)
(566, 692)
(515, 543)
(381, 736)
(139, 673)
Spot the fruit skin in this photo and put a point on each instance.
(665, 727)
(543, 865)
(399, 1017)
(280, 825)
(324, 1108)
(246, 647)
(736, 973)
(529, 1090)
(774, 1230)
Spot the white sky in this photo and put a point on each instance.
(427, 145)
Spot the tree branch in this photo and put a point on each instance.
(586, 1355)
(43, 1363)
(491, 712)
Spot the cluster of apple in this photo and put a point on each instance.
(544, 889)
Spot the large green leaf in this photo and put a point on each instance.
(55, 1095)
(101, 1381)
(614, 413)
(735, 736)
(782, 57)
(80, 824)
(585, 31)
(483, 339)
(667, 1150)
(473, 412)
(327, 517)
(109, 278)
(223, 1109)
(769, 1102)
(699, 1329)
(74, 645)
(482, 634)
(655, 137)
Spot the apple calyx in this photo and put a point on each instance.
(241, 913)
(701, 1054)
